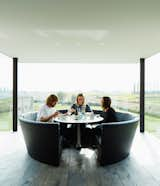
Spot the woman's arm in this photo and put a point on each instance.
(88, 109)
(47, 118)
(104, 115)
(73, 109)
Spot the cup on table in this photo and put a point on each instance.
(97, 115)
(88, 115)
(92, 115)
(69, 112)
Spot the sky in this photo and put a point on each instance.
(78, 77)
(5, 71)
(153, 72)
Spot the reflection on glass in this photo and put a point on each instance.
(119, 81)
(152, 96)
(5, 93)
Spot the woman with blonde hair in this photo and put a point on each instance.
(80, 105)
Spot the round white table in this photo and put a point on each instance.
(78, 120)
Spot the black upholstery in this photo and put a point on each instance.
(116, 138)
(97, 111)
(42, 140)
(63, 111)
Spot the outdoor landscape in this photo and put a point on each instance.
(123, 88)
(31, 101)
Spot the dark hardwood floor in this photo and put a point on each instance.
(79, 168)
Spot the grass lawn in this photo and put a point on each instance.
(152, 125)
(6, 121)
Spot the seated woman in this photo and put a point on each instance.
(47, 113)
(77, 107)
(108, 112)
(80, 105)
(109, 115)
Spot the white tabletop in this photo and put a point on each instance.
(73, 119)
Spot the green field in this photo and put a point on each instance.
(152, 124)
(128, 102)
(5, 121)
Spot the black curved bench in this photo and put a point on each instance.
(43, 140)
(116, 138)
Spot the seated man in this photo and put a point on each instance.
(47, 113)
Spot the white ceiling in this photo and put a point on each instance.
(100, 31)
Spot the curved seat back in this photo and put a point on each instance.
(97, 111)
(42, 140)
(63, 111)
(31, 116)
(117, 138)
(124, 116)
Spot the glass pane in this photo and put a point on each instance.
(5, 93)
(119, 81)
(152, 98)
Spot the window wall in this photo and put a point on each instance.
(5, 93)
(119, 81)
(152, 97)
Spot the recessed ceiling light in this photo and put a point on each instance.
(57, 43)
(78, 44)
(42, 33)
(97, 35)
(101, 44)
(3, 35)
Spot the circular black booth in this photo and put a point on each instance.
(115, 139)
(44, 142)
(42, 139)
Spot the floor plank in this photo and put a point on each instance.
(79, 168)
